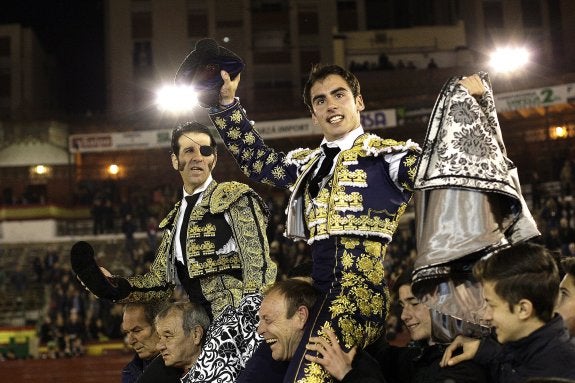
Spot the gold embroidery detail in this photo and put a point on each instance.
(374, 248)
(350, 279)
(247, 154)
(200, 266)
(249, 223)
(350, 243)
(341, 305)
(220, 122)
(196, 231)
(226, 194)
(197, 212)
(357, 177)
(351, 331)
(300, 154)
(194, 249)
(234, 149)
(381, 143)
(346, 260)
(258, 166)
(273, 157)
(343, 201)
(363, 223)
(409, 160)
(249, 138)
(236, 117)
(234, 133)
(278, 173)
(349, 156)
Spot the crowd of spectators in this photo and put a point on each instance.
(73, 317)
(384, 63)
(113, 211)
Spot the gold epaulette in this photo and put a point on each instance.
(225, 194)
(372, 144)
(300, 156)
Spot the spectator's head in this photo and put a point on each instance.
(283, 314)
(333, 97)
(181, 327)
(520, 286)
(138, 328)
(566, 306)
(194, 154)
(414, 314)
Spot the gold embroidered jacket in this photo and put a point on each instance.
(346, 206)
(230, 210)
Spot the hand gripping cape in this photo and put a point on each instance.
(468, 205)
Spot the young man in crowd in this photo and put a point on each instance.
(383, 363)
(520, 286)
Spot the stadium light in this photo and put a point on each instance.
(40, 169)
(113, 169)
(176, 99)
(509, 59)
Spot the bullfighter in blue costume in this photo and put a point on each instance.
(347, 216)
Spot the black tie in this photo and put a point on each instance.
(323, 170)
(191, 200)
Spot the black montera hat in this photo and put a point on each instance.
(201, 69)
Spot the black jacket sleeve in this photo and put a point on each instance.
(364, 369)
(157, 372)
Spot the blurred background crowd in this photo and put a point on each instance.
(38, 288)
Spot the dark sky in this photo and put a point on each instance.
(71, 31)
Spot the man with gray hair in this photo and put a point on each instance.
(140, 334)
(181, 328)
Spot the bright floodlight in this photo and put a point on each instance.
(113, 169)
(40, 169)
(507, 60)
(176, 98)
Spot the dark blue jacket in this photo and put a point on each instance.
(417, 363)
(547, 352)
(132, 371)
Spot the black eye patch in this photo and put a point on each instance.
(206, 150)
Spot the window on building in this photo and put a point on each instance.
(4, 46)
(269, 14)
(346, 15)
(142, 59)
(308, 22)
(142, 25)
(272, 56)
(5, 87)
(269, 5)
(531, 13)
(493, 13)
(197, 23)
